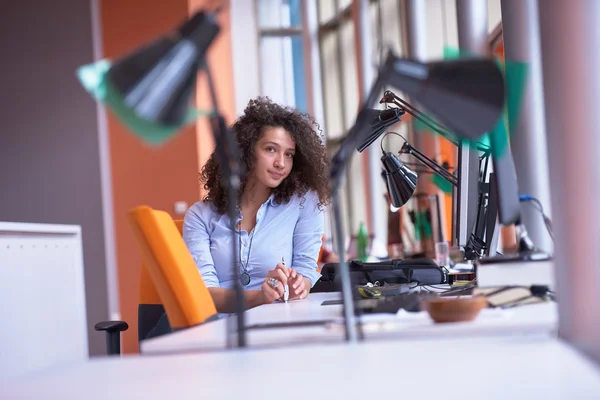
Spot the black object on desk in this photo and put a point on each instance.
(422, 271)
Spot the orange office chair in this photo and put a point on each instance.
(169, 279)
(150, 307)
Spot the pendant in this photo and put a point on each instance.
(245, 279)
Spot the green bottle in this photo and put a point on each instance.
(362, 243)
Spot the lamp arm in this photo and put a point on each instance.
(428, 162)
(403, 104)
(421, 117)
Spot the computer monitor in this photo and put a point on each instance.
(506, 184)
(484, 235)
(476, 211)
(492, 225)
(466, 194)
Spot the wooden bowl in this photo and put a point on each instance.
(464, 309)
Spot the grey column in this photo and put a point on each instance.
(378, 208)
(413, 21)
(570, 39)
(528, 137)
(472, 24)
(414, 34)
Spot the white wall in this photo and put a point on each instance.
(245, 57)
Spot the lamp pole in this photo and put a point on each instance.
(415, 27)
(378, 209)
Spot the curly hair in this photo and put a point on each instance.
(310, 170)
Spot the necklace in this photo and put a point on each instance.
(244, 276)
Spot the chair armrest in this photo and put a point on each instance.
(111, 326)
(113, 331)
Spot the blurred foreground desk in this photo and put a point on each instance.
(522, 368)
(531, 320)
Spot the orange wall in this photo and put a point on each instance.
(142, 174)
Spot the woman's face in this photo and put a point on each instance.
(274, 156)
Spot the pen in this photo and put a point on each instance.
(286, 288)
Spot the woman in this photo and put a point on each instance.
(280, 210)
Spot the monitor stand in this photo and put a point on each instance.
(526, 252)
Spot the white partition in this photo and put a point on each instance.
(42, 297)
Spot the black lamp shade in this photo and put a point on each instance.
(157, 81)
(401, 181)
(467, 95)
(380, 121)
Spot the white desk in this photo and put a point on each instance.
(479, 369)
(540, 319)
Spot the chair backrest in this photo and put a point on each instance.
(172, 277)
(150, 307)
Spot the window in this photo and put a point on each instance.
(339, 75)
(283, 75)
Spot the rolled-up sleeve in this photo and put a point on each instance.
(308, 234)
(197, 240)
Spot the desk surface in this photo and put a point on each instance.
(498, 368)
(539, 319)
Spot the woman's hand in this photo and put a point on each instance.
(298, 285)
(272, 287)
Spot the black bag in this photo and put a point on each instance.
(421, 271)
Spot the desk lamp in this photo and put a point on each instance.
(150, 91)
(526, 250)
(467, 95)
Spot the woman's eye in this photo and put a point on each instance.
(270, 149)
(290, 155)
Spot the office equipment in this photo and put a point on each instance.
(422, 271)
(471, 156)
(43, 313)
(381, 120)
(400, 180)
(467, 95)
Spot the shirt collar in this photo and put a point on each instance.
(271, 200)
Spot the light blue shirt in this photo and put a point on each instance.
(293, 230)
